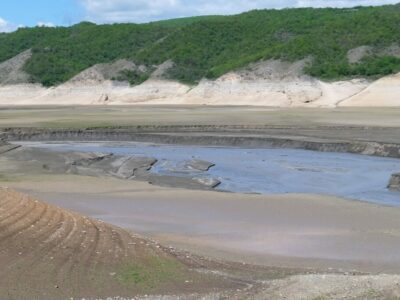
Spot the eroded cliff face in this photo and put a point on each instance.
(266, 83)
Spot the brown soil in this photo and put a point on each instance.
(50, 253)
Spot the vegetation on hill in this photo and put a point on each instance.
(211, 46)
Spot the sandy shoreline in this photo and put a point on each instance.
(289, 230)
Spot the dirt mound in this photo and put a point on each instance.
(11, 71)
(357, 54)
(274, 70)
(392, 50)
(50, 253)
(161, 70)
(103, 72)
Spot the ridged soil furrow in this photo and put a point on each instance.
(70, 246)
(40, 250)
(79, 266)
(89, 244)
(7, 201)
(23, 225)
(47, 247)
(19, 221)
(10, 204)
(94, 244)
(18, 209)
(52, 246)
(44, 231)
(107, 247)
(57, 227)
(75, 255)
(34, 246)
(14, 240)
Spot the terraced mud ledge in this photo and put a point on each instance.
(233, 136)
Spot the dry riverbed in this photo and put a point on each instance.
(292, 246)
(303, 233)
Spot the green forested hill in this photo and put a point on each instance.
(211, 46)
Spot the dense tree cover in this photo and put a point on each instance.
(211, 46)
(86, 45)
(175, 23)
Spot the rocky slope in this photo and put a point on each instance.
(266, 83)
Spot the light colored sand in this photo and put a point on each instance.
(228, 90)
(287, 230)
(383, 92)
(269, 83)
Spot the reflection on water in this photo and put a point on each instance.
(267, 171)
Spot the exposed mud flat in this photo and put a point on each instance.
(208, 139)
(28, 160)
(51, 253)
(320, 233)
(245, 170)
(306, 231)
(324, 235)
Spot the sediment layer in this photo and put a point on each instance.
(204, 138)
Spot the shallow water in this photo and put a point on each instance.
(267, 171)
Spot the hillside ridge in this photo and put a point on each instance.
(343, 44)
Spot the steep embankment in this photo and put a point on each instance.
(273, 83)
(50, 253)
(289, 57)
(267, 83)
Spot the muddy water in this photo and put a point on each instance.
(267, 171)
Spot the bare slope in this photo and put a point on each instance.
(11, 71)
(265, 83)
(273, 83)
(383, 92)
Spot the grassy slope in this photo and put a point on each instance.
(211, 46)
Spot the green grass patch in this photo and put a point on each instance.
(6, 178)
(154, 272)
